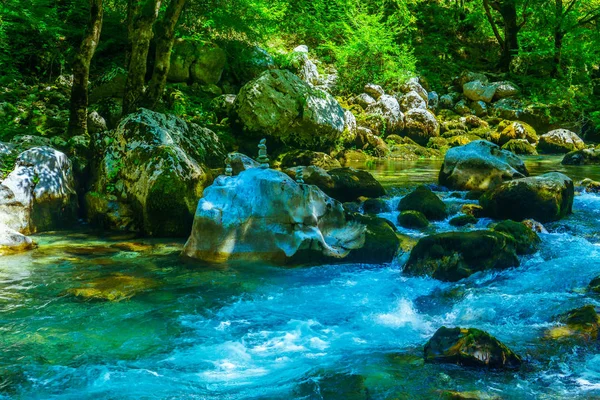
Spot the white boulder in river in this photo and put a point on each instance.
(262, 214)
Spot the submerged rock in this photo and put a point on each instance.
(116, 287)
(479, 165)
(279, 105)
(153, 170)
(39, 194)
(560, 141)
(423, 200)
(262, 214)
(545, 198)
(470, 348)
(452, 256)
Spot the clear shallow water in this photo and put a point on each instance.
(256, 332)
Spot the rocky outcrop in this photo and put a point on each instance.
(39, 194)
(279, 105)
(452, 256)
(545, 198)
(262, 214)
(479, 165)
(195, 61)
(470, 348)
(560, 141)
(153, 170)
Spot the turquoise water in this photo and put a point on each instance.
(249, 331)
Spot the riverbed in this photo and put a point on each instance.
(180, 329)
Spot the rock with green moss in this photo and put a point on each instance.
(582, 157)
(463, 220)
(462, 140)
(580, 323)
(158, 166)
(421, 125)
(382, 242)
(594, 286)
(527, 241)
(479, 165)
(280, 106)
(470, 347)
(560, 141)
(516, 130)
(452, 256)
(384, 116)
(376, 206)
(545, 198)
(296, 158)
(196, 61)
(413, 220)
(590, 186)
(520, 147)
(422, 199)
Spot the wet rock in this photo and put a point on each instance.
(279, 105)
(560, 141)
(346, 184)
(297, 158)
(527, 241)
(376, 206)
(516, 130)
(114, 288)
(452, 256)
(463, 220)
(582, 323)
(594, 286)
(472, 209)
(262, 214)
(479, 165)
(413, 220)
(470, 348)
(423, 200)
(12, 241)
(157, 166)
(545, 198)
(475, 395)
(382, 242)
(582, 157)
(420, 125)
(590, 186)
(534, 226)
(39, 194)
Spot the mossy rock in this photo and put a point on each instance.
(116, 287)
(454, 132)
(520, 146)
(462, 140)
(375, 206)
(594, 286)
(413, 220)
(382, 242)
(528, 242)
(582, 157)
(472, 209)
(297, 158)
(463, 220)
(422, 199)
(510, 130)
(438, 143)
(581, 323)
(470, 348)
(452, 256)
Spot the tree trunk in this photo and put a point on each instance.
(140, 37)
(558, 42)
(164, 44)
(81, 71)
(508, 11)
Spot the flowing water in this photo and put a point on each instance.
(249, 331)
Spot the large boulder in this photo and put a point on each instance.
(386, 117)
(527, 241)
(421, 125)
(470, 348)
(560, 141)
(262, 214)
(39, 194)
(452, 256)
(343, 184)
(479, 165)
(582, 157)
(279, 105)
(478, 91)
(155, 166)
(195, 61)
(545, 198)
(423, 200)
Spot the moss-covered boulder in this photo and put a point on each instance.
(545, 198)
(479, 165)
(560, 141)
(384, 117)
(423, 200)
(413, 220)
(196, 61)
(470, 347)
(527, 241)
(421, 125)
(452, 256)
(463, 220)
(516, 130)
(376, 206)
(281, 106)
(472, 209)
(581, 323)
(157, 165)
(296, 158)
(382, 242)
(582, 157)
(520, 147)
(594, 286)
